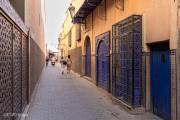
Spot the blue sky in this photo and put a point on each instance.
(55, 14)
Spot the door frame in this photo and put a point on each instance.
(160, 46)
(87, 40)
(99, 39)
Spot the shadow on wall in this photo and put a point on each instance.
(76, 57)
(37, 59)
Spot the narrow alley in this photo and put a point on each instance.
(121, 60)
(70, 97)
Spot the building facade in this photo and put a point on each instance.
(129, 49)
(34, 20)
(178, 60)
(65, 35)
(70, 43)
(22, 54)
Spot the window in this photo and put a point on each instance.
(69, 39)
(78, 32)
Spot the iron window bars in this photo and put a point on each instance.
(127, 60)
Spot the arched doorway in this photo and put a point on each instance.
(103, 66)
(103, 61)
(88, 57)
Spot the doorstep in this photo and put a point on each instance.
(82, 76)
(128, 108)
(88, 78)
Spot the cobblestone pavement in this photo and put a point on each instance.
(69, 97)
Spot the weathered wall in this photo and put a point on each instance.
(75, 36)
(178, 78)
(173, 24)
(19, 6)
(178, 67)
(67, 25)
(36, 64)
(93, 68)
(174, 60)
(34, 21)
(76, 57)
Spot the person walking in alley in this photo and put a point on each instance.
(47, 61)
(69, 62)
(63, 65)
(61, 61)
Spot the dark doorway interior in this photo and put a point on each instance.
(88, 57)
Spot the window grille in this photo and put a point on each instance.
(127, 60)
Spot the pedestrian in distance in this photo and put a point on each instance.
(53, 61)
(61, 60)
(47, 61)
(69, 62)
(63, 65)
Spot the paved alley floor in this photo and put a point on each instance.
(69, 97)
